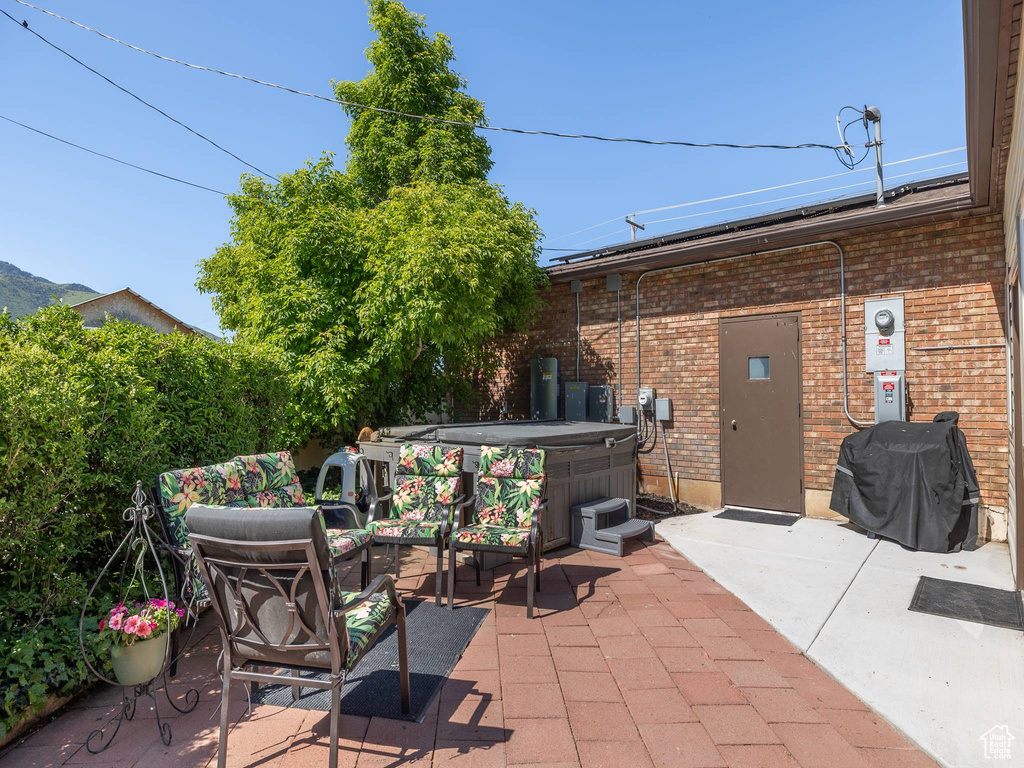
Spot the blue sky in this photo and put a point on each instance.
(745, 72)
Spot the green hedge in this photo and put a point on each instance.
(83, 414)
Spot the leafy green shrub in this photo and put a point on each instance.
(83, 415)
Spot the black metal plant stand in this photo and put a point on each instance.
(136, 544)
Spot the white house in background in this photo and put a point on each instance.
(129, 306)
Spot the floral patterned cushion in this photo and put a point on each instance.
(342, 542)
(364, 620)
(404, 530)
(428, 479)
(179, 489)
(392, 530)
(520, 463)
(266, 471)
(510, 486)
(493, 536)
(286, 496)
(425, 498)
(438, 460)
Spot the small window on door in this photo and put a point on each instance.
(759, 368)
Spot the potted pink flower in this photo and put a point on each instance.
(138, 638)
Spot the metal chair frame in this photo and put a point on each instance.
(237, 666)
(532, 553)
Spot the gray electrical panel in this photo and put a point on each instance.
(627, 414)
(545, 388)
(884, 334)
(601, 406)
(663, 409)
(576, 400)
(890, 396)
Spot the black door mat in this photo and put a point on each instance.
(753, 516)
(437, 637)
(969, 602)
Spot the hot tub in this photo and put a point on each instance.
(585, 460)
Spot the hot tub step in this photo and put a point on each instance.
(627, 530)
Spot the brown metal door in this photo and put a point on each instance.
(762, 454)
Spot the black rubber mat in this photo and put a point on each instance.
(752, 516)
(969, 602)
(437, 637)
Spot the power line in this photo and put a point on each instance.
(775, 200)
(751, 192)
(24, 25)
(803, 194)
(108, 157)
(429, 118)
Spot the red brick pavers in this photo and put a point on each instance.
(640, 661)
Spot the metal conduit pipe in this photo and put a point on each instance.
(842, 309)
(577, 336)
(618, 324)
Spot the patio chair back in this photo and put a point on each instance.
(510, 485)
(270, 585)
(175, 493)
(427, 479)
(270, 480)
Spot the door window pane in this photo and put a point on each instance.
(758, 368)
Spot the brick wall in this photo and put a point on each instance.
(950, 273)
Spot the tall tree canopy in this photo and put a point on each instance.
(381, 286)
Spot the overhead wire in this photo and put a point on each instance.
(778, 200)
(431, 118)
(109, 157)
(24, 25)
(753, 192)
(805, 194)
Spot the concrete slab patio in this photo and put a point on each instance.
(641, 661)
(842, 599)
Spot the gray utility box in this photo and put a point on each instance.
(576, 400)
(884, 335)
(545, 389)
(890, 397)
(584, 461)
(604, 525)
(601, 404)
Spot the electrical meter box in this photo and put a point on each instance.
(890, 396)
(884, 342)
(645, 400)
(576, 400)
(601, 406)
(545, 388)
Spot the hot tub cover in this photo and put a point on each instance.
(913, 482)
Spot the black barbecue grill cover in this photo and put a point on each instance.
(913, 482)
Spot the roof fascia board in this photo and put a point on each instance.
(982, 21)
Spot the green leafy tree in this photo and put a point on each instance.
(381, 286)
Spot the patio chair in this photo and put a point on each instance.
(507, 508)
(227, 485)
(428, 484)
(279, 605)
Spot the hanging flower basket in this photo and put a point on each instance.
(138, 638)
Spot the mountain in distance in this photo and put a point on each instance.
(22, 293)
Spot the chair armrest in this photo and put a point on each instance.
(469, 500)
(447, 520)
(382, 582)
(346, 513)
(371, 514)
(535, 525)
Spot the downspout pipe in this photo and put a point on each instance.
(842, 309)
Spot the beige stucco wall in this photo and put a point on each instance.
(125, 306)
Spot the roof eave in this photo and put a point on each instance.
(751, 241)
